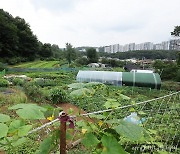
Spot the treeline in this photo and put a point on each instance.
(18, 43)
(147, 54)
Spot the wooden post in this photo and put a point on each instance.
(63, 137)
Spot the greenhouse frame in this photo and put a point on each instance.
(151, 80)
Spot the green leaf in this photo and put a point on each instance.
(15, 125)
(76, 85)
(90, 140)
(29, 111)
(3, 130)
(23, 131)
(124, 97)
(45, 146)
(131, 109)
(19, 141)
(129, 130)
(4, 118)
(141, 113)
(111, 103)
(92, 84)
(111, 146)
(113, 121)
(81, 92)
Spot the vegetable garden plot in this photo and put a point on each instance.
(146, 127)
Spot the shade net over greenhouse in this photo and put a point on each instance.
(151, 80)
(107, 77)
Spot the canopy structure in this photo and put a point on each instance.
(107, 77)
(151, 80)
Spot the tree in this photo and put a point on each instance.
(27, 42)
(176, 31)
(46, 51)
(70, 53)
(16, 38)
(92, 55)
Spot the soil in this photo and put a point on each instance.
(75, 111)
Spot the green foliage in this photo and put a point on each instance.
(90, 140)
(46, 50)
(111, 103)
(129, 130)
(80, 93)
(23, 146)
(18, 82)
(58, 95)
(18, 127)
(178, 75)
(70, 53)
(111, 146)
(4, 83)
(29, 111)
(167, 70)
(16, 37)
(92, 55)
(4, 130)
(10, 96)
(113, 62)
(178, 59)
(82, 61)
(4, 118)
(2, 66)
(33, 91)
(148, 54)
(45, 82)
(76, 85)
(176, 31)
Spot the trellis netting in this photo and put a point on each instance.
(159, 120)
(151, 80)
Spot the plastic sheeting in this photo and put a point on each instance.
(151, 80)
(107, 77)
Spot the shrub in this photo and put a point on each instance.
(58, 95)
(2, 66)
(33, 91)
(178, 75)
(45, 82)
(4, 83)
(18, 82)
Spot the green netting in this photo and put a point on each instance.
(2, 73)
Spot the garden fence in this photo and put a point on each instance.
(161, 118)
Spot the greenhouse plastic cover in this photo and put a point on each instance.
(106, 77)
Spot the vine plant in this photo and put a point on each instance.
(104, 133)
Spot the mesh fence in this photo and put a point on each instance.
(161, 118)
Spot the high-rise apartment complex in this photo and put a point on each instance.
(166, 45)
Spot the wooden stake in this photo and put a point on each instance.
(63, 138)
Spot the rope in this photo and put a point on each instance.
(102, 111)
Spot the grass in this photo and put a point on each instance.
(38, 64)
(9, 96)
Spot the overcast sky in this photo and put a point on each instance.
(97, 22)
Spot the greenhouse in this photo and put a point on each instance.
(151, 80)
